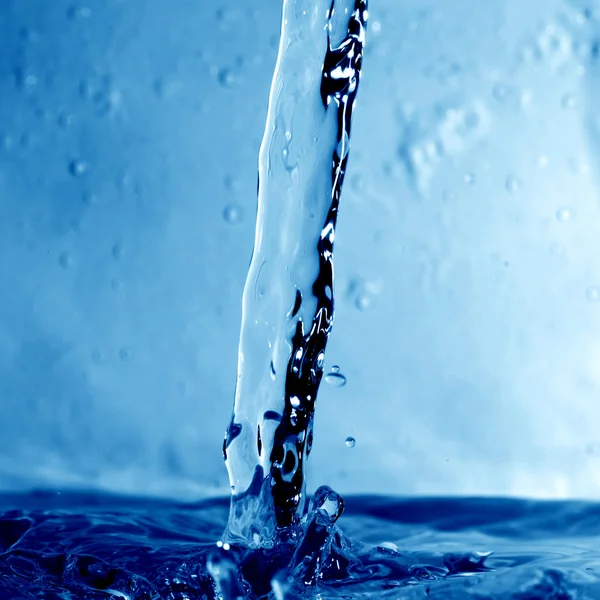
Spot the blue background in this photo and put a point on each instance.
(468, 278)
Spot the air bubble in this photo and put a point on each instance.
(350, 442)
(336, 379)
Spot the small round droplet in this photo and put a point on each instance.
(568, 102)
(78, 168)
(513, 184)
(388, 548)
(589, 569)
(565, 214)
(232, 214)
(65, 260)
(350, 442)
(593, 293)
(335, 369)
(79, 12)
(335, 379)
(117, 251)
(500, 92)
(124, 354)
(592, 449)
(362, 302)
(226, 78)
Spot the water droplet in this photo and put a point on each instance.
(500, 92)
(165, 88)
(565, 214)
(350, 442)
(227, 78)
(388, 548)
(336, 379)
(117, 251)
(554, 45)
(513, 184)
(78, 168)
(592, 449)
(593, 293)
(25, 79)
(335, 369)
(589, 569)
(231, 183)
(470, 179)
(542, 162)
(79, 12)
(568, 101)
(125, 354)
(65, 260)
(65, 120)
(233, 214)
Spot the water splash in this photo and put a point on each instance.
(288, 301)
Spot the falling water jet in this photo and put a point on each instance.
(288, 301)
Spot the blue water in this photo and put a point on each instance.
(77, 545)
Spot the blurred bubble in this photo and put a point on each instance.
(470, 179)
(350, 442)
